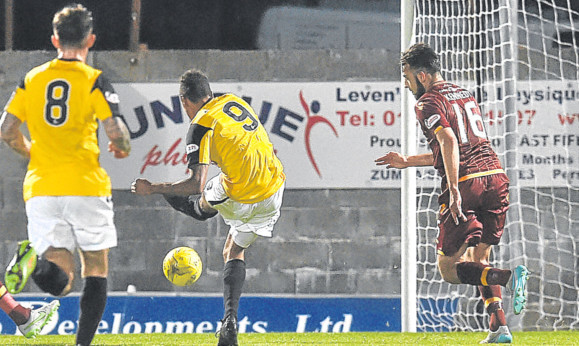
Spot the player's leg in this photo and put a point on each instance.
(258, 220)
(494, 206)
(453, 239)
(233, 281)
(196, 207)
(29, 321)
(12, 308)
(453, 242)
(50, 238)
(93, 298)
(455, 270)
(95, 233)
(492, 299)
(54, 271)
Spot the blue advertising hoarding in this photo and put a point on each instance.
(150, 313)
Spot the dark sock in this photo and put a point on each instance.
(49, 277)
(233, 279)
(19, 315)
(92, 305)
(499, 277)
(491, 296)
(473, 273)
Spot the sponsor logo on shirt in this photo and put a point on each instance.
(190, 148)
(432, 120)
(111, 97)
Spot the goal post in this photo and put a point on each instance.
(521, 61)
(408, 183)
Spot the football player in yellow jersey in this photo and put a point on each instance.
(67, 192)
(248, 193)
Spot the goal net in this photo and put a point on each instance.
(520, 59)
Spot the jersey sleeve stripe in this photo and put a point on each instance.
(194, 137)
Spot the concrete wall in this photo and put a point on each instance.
(326, 241)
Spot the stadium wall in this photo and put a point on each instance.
(327, 241)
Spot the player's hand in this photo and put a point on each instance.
(141, 187)
(392, 160)
(118, 153)
(455, 207)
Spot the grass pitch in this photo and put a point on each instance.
(455, 338)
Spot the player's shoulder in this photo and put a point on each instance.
(220, 100)
(36, 71)
(218, 104)
(430, 99)
(91, 73)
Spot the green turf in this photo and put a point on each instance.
(458, 338)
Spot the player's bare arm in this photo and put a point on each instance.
(11, 134)
(192, 185)
(119, 137)
(396, 160)
(450, 156)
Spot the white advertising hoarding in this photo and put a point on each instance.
(328, 135)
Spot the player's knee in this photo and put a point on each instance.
(232, 251)
(190, 207)
(448, 271)
(202, 213)
(446, 276)
(67, 288)
(53, 279)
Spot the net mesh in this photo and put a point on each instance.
(520, 59)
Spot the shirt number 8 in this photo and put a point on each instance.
(56, 109)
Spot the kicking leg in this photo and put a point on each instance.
(54, 271)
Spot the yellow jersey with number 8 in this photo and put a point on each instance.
(60, 101)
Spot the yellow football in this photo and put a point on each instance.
(182, 266)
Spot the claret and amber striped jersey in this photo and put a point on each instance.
(227, 131)
(61, 101)
(448, 105)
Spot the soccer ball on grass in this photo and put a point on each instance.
(182, 266)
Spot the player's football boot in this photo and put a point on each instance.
(519, 286)
(20, 268)
(38, 319)
(228, 332)
(500, 336)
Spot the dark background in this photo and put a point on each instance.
(186, 24)
(167, 24)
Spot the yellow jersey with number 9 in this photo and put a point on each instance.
(227, 131)
(60, 101)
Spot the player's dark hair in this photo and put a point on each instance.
(72, 25)
(194, 86)
(421, 57)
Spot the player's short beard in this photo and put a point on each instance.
(420, 89)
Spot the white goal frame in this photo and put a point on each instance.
(510, 21)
